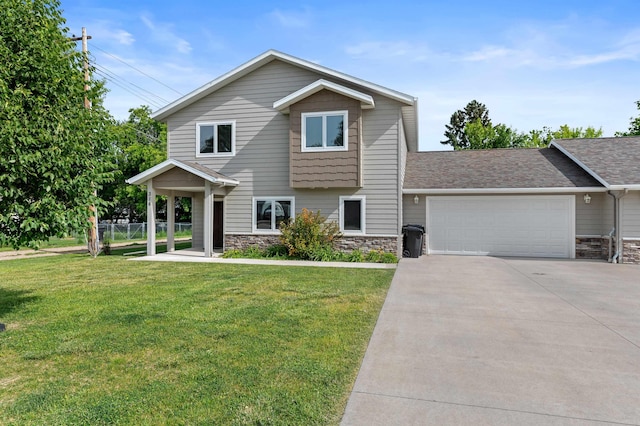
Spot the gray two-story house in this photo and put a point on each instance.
(279, 134)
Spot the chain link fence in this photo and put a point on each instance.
(138, 231)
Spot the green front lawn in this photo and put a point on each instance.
(113, 341)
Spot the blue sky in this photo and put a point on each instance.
(534, 64)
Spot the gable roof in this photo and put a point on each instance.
(283, 104)
(409, 111)
(614, 162)
(495, 170)
(194, 168)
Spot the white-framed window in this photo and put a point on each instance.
(325, 131)
(216, 139)
(269, 212)
(352, 214)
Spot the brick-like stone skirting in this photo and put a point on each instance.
(592, 247)
(346, 243)
(241, 242)
(631, 250)
(366, 244)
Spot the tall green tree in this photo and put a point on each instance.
(634, 125)
(138, 143)
(471, 128)
(566, 132)
(51, 147)
(455, 130)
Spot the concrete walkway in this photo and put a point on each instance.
(481, 340)
(198, 256)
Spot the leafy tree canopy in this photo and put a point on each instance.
(474, 112)
(634, 125)
(138, 143)
(51, 147)
(471, 128)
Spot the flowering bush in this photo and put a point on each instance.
(310, 236)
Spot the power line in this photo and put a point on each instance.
(115, 75)
(132, 88)
(140, 71)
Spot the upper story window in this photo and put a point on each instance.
(216, 139)
(324, 131)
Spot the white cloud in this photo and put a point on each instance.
(567, 45)
(387, 50)
(487, 53)
(163, 33)
(291, 19)
(106, 32)
(628, 48)
(124, 37)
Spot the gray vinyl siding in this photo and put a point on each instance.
(380, 166)
(595, 218)
(412, 213)
(631, 215)
(261, 162)
(197, 225)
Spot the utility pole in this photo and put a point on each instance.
(92, 237)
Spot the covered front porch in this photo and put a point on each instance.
(207, 189)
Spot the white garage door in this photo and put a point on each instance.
(536, 226)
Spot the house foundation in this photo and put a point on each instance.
(631, 250)
(345, 244)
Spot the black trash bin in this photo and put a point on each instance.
(412, 240)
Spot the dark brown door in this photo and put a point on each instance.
(218, 233)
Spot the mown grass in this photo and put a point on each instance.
(112, 341)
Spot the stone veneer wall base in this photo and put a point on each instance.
(631, 251)
(346, 243)
(588, 247)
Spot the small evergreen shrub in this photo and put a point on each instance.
(309, 236)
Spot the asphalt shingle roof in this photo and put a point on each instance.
(496, 168)
(615, 160)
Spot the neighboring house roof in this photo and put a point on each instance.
(283, 104)
(409, 111)
(194, 168)
(614, 162)
(495, 170)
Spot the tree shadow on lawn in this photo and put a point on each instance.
(11, 300)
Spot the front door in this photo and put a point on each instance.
(218, 229)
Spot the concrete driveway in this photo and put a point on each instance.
(482, 340)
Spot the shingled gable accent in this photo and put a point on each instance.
(193, 168)
(282, 105)
(326, 169)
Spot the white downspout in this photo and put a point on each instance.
(617, 223)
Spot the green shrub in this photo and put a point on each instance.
(389, 258)
(232, 254)
(253, 252)
(309, 236)
(276, 250)
(325, 254)
(374, 256)
(355, 256)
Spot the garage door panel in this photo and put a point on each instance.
(540, 226)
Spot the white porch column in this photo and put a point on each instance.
(208, 220)
(151, 219)
(171, 222)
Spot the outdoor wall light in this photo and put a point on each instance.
(416, 199)
(587, 199)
